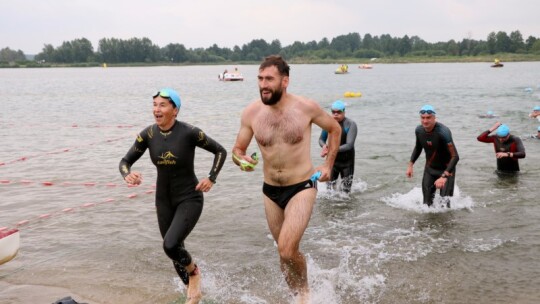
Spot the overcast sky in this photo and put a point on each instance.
(28, 25)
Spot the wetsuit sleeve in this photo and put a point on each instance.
(134, 153)
(351, 137)
(323, 138)
(417, 149)
(485, 138)
(454, 157)
(210, 145)
(520, 149)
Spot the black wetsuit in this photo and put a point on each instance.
(178, 204)
(441, 155)
(513, 144)
(344, 163)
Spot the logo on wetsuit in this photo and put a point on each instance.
(202, 137)
(167, 158)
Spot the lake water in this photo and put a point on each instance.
(63, 132)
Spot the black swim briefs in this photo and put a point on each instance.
(282, 195)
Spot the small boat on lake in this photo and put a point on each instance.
(9, 245)
(231, 76)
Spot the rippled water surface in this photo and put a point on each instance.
(63, 132)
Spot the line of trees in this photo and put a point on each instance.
(352, 45)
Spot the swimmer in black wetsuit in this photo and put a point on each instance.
(179, 198)
(441, 156)
(508, 148)
(344, 164)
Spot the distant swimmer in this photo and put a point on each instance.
(281, 124)
(532, 136)
(489, 114)
(344, 164)
(508, 148)
(535, 113)
(441, 156)
(179, 194)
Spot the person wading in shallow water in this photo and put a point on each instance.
(281, 124)
(179, 194)
(344, 164)
(508, 148)
(441, 156)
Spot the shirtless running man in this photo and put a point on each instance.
(281, 123)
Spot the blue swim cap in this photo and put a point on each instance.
(171, 95)
(427, 109)
(489, 112)
(503, 131)
(538, 128)
(536, 108)
(338, 105)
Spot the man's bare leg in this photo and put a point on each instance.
(288, 227)
(194, 294)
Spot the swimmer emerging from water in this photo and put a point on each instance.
(179, 194)
(508, 148)
(281, 124)
(344, 164)
(441, 156)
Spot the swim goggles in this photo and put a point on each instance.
(165, 93)
(430, 112)
(337, 111)
(245, 164)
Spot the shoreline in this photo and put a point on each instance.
(504, 58)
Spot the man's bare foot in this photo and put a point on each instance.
(194, 294)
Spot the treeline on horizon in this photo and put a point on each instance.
(352, 45)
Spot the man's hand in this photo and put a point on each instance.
(440, 182)
(246, 163)
(325, 173)
(409, 172)
(495, 126)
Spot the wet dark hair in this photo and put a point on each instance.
(278, 62)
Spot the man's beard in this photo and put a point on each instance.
(276, 96)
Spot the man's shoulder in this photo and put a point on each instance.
(304, 105)
(350, 121)
(252, 108)
(439, 127)
(515, 138)
(443, 131)
(301, 100)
